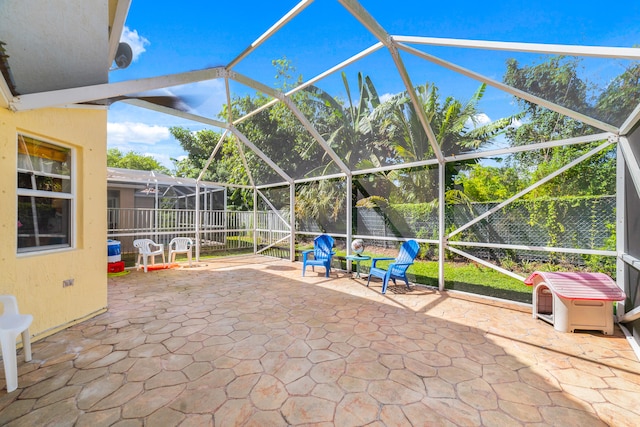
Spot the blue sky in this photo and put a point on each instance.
(171, 37)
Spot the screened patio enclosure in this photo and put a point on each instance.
(148, 204)
(498, 153)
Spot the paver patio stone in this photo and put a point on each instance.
(392, 361)
(59, 395)
(420, 413)
(298, 348)
(63, 413)
(454, 410)
(197, 421)
(494, 373)
(148, 350)
(293, 369)
(144, 368)
(392, 393)
(233, 412)
(209, 353)
(478, 394)
(303, 386)
(438, 388)
(98, 389)
(455, 375)
(566, 416)
(120, 396)
(173, 349)
(174, 343)
(215, 378)
(108, 360)
(356, 409)
(329, 391)
(268, 393)
(423, 369)
(16, 409)
(122, 366)
(367, 370)
(244, 367)
(578, 378)
(392, 416)
(150, 401)
(60, 358)
(202, 400)
(266, 418)
(328, 371)
(496, 418)
(166, 378)
(197, 370)
(520, 411)
(521, 393)
(407, 379)
(99, 418)
(165, 417)
(615, 416)
(241, 386)
(342, 349)
(96, 353)
(307, 410)
(176, 362)
(621, 383)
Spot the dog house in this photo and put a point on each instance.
(571, 301)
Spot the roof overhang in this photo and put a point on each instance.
(76, 39)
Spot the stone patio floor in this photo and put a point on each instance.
(248, 341)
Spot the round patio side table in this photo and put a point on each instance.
(357, 259)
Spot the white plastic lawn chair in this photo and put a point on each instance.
(148, 248)
(13, 323)
(180, 245)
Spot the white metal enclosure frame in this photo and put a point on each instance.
(395, 45)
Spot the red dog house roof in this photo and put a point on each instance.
(584, 286)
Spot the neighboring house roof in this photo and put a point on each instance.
(151, 178)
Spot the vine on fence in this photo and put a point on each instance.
(571, 222)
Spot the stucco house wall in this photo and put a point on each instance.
(36, 279)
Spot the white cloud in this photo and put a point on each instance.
(480, 120)
(516, 123)
(128, 132)
(386, 96)
(136, 41)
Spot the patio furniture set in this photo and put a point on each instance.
(322, 253)
(147, 248)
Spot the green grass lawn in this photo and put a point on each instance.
(460, 276)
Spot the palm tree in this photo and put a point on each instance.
(346, 129)
(455, 125)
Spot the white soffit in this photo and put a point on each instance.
(54, 45)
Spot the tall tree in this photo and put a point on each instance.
(620, 97)
(456, 128)
(557, 79)
(133, 160)
(228, 166)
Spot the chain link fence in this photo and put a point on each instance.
(580, 223)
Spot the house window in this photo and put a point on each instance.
(45, 196)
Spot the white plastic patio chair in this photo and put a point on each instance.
(13, 323)
(148, 248)
(180, 245)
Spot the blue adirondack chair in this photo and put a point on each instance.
(322, 252)
(398, 268)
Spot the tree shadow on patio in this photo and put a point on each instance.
(235, 343)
